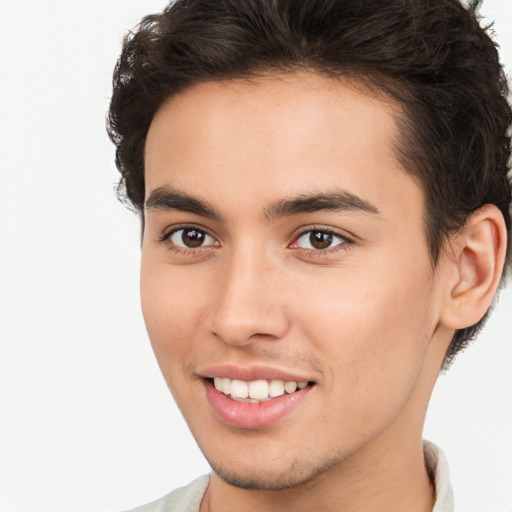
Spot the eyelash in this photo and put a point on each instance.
(185, 251)
(310, 253)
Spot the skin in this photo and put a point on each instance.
(366, 319)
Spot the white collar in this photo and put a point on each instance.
(437, 467)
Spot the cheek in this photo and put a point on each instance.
(173, 308)
(373, 331)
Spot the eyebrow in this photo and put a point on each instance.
(336, 201)
(167, 198)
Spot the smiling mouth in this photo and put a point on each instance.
(257, 390)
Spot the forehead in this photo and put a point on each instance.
(272, 137)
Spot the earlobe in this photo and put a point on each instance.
(478, 257)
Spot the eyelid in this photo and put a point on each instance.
(170, 230)
(190, 253)
(175, 239)
(314, 253)
(324, 229)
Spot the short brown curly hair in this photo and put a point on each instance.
(431, 56)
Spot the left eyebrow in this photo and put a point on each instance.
(337, 201)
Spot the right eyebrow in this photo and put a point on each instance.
(167, 198)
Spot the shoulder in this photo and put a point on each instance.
(184, 499)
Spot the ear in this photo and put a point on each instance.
(476, 256)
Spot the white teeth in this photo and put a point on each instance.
(276, 388)
(226, 386)
(239, 389)
(256, 390)
(290, 387)
(217, 382)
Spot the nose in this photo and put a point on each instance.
(249, 303)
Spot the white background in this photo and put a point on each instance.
(86, 422)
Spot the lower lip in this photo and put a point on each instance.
(253, 415)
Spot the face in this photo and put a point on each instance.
(286, 282)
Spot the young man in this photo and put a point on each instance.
(325, 205)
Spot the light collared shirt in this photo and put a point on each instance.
(188, 499)
(437, 467)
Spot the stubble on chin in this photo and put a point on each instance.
(297, 473)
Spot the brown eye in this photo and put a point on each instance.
(319, 240)
(190, 238)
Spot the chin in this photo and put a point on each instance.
(273, 478)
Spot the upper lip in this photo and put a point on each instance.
(252, 373)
